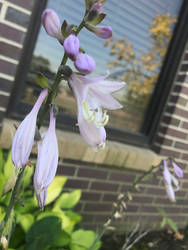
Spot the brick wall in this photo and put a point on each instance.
(14, 20)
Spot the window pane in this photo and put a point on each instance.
(142, 31)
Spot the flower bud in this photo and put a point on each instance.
(94, 11)
(51, 23)
(71, 46)
(4, 242)
(104, 32)
(84, 63)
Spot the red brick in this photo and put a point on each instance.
(101, 218)
(80, 184)
(167, 152)
(181, 112)
(185, 157)
(91, 196)
(92, 173)
(185, 185)
(110, 197)
(184, 67)
(170, 120)
(181, 78)
(142, 199)
(161, 201)
(185, 125)
(125, 188)
(185, 57)
(122, 177)
(97, 207)
(132, 208)
(103, 186)
(3, 101)
(18, 17)
(66, 170)
(27, 4)
(172, 210)
(156, 191)
(181, 145)
(163, 141)
(7, 67)
(5, 85)
(11, 33)
(181, 201)
(177, 99)
(148, 209)
(9, 50)
(176, 133)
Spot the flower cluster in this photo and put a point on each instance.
(47, 159)
(171, 182)
(92, 94)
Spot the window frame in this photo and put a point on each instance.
(145, 138)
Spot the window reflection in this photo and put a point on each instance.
(142, 31)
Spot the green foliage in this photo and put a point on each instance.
(53, 228)
(167, 221)
(42, 81)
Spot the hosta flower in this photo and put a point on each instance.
(93, 94)
(171, 183)
(47, 162)
(84, 63)
(72, 46)
(104, 32)
(24, 138)
(177, 170)
(52, 25)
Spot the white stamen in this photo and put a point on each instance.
(92, 115)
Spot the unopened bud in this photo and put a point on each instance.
(4, 242)
(94, 11)
(71, 46)
(84, 63)
(104, 32)
(65, 70)
(51, 23)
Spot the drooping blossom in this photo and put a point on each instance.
(177, 170)
(171, 182)
(93, 94)
(104, 32)
(72, 46)
(96, 8)
(47, 162)
(84, 63)
(24, 136)
(52, 25)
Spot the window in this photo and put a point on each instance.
(142, 34)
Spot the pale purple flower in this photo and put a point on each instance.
(177, 170)
(96, 7)
(93, 94)
(171, 183)
(47, 162)
(72, 46)
(104, 32)
(24, 137)
(84, 63)
(51, 23)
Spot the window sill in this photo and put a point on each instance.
(71, 146)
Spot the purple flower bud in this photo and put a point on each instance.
(104, 32)
(72, 46)
(51, 23)
(24, 138)
(97, 7)
(84, 63)
(47, 162)
(177, 170)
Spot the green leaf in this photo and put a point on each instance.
(98, 19)
(63, 239)
(9, 169)
(172, 224)
(163, 222)
(75, 217)
(69, 200)
(9, 184)
(26, 221)
(2, 162)
(43, 233)
(27, 178)
(2, 183)
(42, 81)
(55, 188)
(161, 211)
(83, 239)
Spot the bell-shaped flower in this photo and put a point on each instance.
(93, 94)
(52, 25)
(171, 183)
(84, 63)
(47, 162)
(24, 137)
(177, 170)
(72, 46)
(104, 32)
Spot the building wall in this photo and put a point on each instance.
(101, 176)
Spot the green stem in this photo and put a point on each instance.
(116, 209)
(12, 200)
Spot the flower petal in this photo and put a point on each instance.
(178, 171)
(170, 192)
(166, 174)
